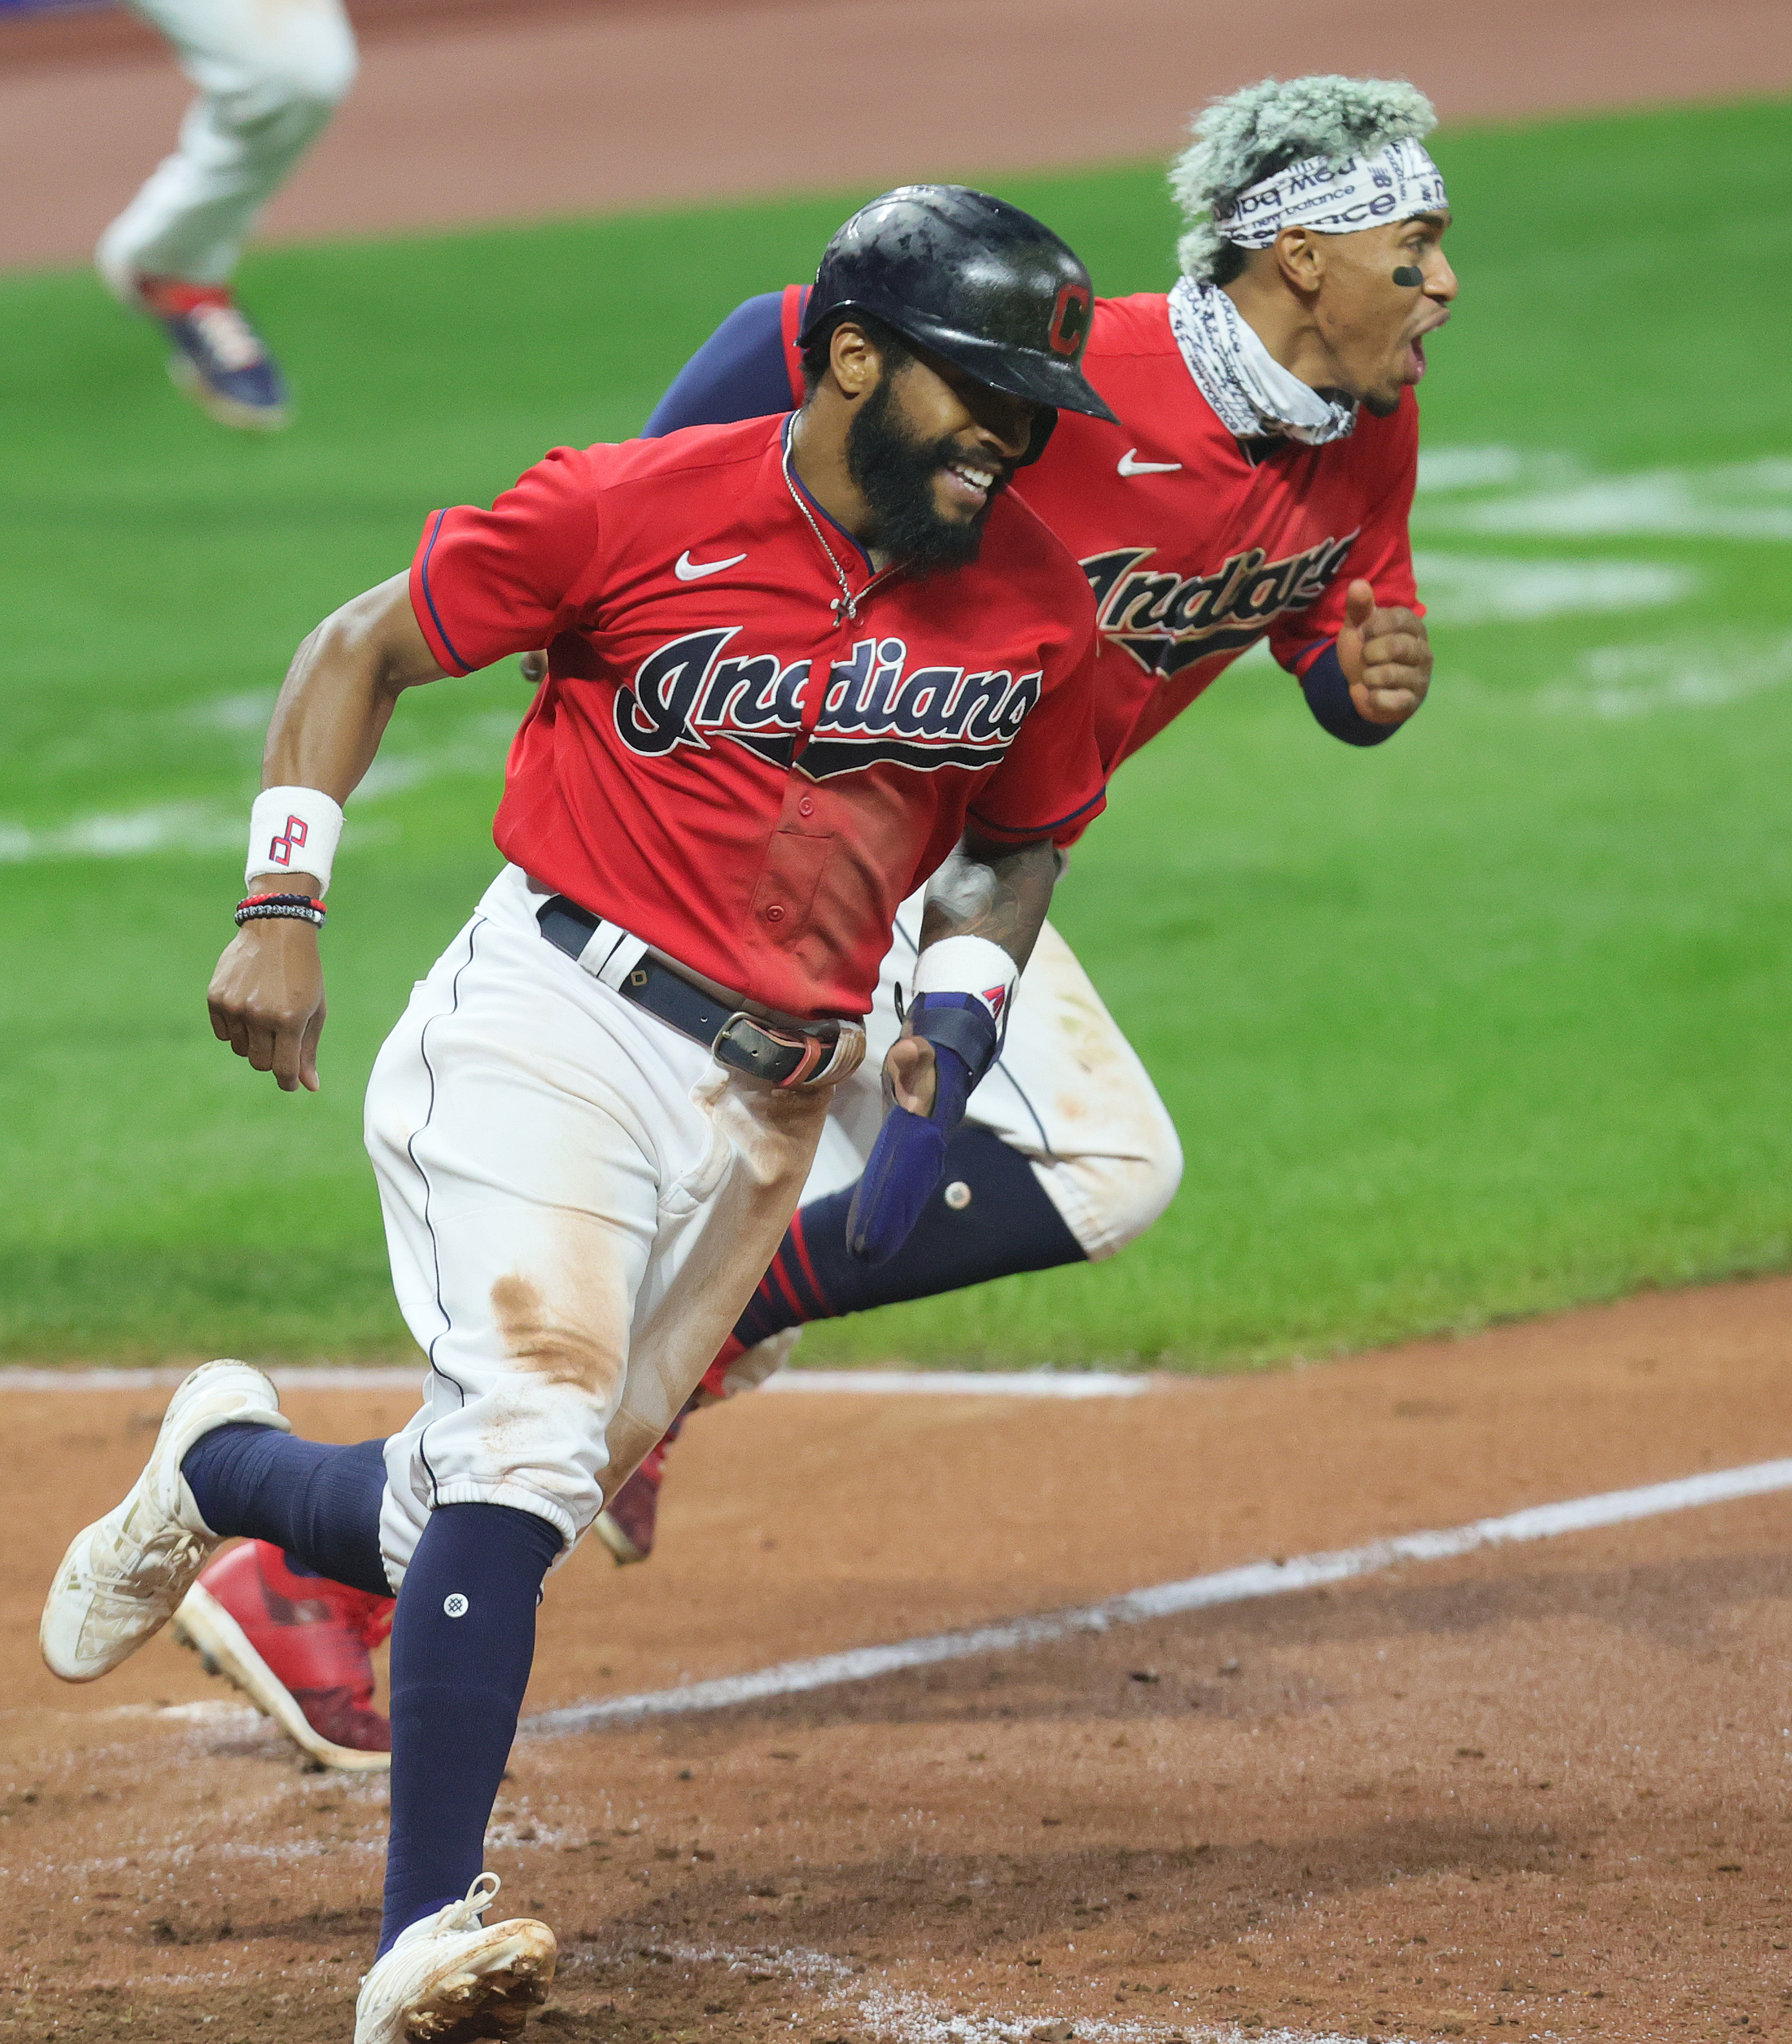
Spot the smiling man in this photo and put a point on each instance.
(795, 667)
(1255, 484)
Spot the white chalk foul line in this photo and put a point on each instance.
(888, 1383)
(910, 2015)
(968, 1383)
(1256, 1579)
(320, 1377)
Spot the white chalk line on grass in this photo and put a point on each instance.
(886, 1383)
(1255, 1579)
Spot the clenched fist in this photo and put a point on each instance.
(1385, 655)
(266, 1000)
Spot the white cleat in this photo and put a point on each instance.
(124, 1576)
(448, 1979)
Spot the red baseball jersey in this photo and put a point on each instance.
(722, 759)
(1197, 544)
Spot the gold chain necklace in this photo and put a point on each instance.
(845, 606)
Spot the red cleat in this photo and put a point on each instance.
(298, 1647)
(626, 1523)
(713, 1386)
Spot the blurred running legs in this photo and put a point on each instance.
(269, 78)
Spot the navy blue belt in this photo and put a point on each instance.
(781, 1055)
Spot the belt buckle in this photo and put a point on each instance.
(775, 1055)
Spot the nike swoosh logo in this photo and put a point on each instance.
(1131, 465)
(687, 569)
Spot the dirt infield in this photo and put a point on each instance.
(536, 108)
(1540, 1792)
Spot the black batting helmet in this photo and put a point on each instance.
(973, 279)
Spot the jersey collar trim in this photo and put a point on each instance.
(797, 483)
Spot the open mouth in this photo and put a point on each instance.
(1415, 347)
(969, 484)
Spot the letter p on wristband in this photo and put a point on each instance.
(294, 830)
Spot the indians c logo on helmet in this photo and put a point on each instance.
(1070, 318)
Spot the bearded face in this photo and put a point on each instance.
(929, 494)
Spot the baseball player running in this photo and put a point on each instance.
(269, 78)
(1257, 484)
(796, 666)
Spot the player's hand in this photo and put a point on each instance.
(266, 1000)
(906, 1159)
(534, 668)
(1386, 657)
(909, 1074)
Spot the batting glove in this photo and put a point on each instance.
(909, 1155)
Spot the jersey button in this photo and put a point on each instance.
(806, 807)
(774, 914)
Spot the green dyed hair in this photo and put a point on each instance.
(1255, 132)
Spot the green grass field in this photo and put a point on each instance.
(1487, 1022)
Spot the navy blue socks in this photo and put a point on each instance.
(462, 1642)
(463, 1638)
(1007, 1223)
(321, 1504)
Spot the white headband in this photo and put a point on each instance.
(1336, 199)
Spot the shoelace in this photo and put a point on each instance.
(466, 1916)
(374, 1624)
(156, 1558)
(228, 336)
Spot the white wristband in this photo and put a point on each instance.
(969, 965)
(294, 830)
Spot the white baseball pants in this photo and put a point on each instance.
(270, 74)
(1069, 1093)
(579, 1202)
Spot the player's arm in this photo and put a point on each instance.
(998, 894)
(1364, 676)
(741, 372)
(1363, 681)
(266, 996)
(1362, 651)
(986, 909)
(986, 906)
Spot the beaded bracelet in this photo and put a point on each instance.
(298, 907)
